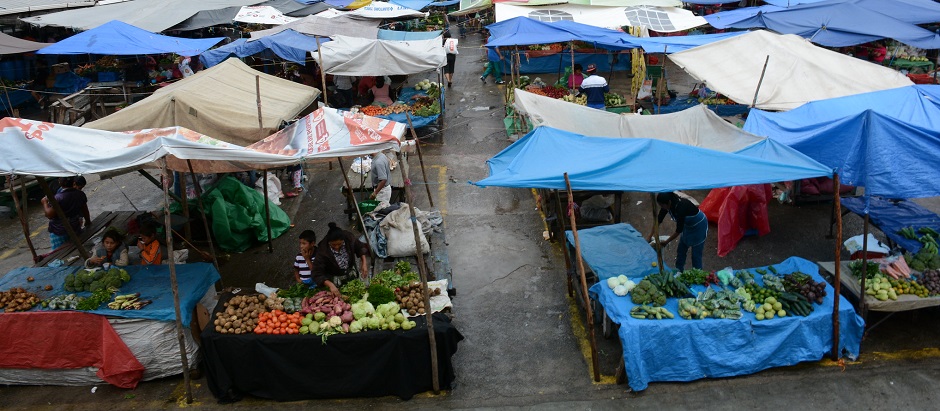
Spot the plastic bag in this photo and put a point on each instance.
(596, 208)
(264, 289)
(737, 210)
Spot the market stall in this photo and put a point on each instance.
(123, 347)
(350, 56)
(732, 346)
(300, 367)
(554, 159)
(892, 217)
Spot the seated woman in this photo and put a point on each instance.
(334, 262)
(151, 251)
(111, 251)
(380, 93)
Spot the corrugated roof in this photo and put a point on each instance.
(23, 6)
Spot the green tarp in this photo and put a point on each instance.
(236, 213)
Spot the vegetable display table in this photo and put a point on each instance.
(905, 302)
(911, 66)
(679, 104)
(687, 350)
(122, 346)
(298, 367)
(892, 215)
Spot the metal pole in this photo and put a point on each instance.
(837, 283)
(22, 212)
(424, 173)
(584, 287)
(267, 210)
(422, 269)
(205, 220)
(659, 248)
(761, 80)
(61, 214)
(175, 287)
(352, 195)
(326, 102)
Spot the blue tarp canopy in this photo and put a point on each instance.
(910, 11)
(116, 38)
(151, 281)
(674, 44)
(688, 350)
(886, 141)
(411, 4)
(892, 215)
(407, 35)
(288, 45)
(540, 159)
(615, 249)
(522, 31)
(837, 24)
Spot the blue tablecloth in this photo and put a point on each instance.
(612, 250)
(17, 98)
(679, 104)
(687, 350)
(152, 282)
(891, 217)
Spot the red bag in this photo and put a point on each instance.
(737, 210)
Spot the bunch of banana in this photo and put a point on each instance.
(128, 302)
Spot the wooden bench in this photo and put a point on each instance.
(118, 219)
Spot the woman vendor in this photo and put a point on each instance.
(335, 260)
(111, 251)
(691, 227)
(380, 92)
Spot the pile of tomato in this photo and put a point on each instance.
(278, 322)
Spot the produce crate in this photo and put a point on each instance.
(106, 76)
(368, 206)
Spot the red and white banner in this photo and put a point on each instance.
(262, 15)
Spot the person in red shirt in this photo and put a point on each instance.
(878, 52)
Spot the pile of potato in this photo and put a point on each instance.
(411, 297)
(17, 299)
(240, 315)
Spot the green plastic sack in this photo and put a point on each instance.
(563, 80)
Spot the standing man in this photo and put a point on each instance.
(594, 87)
(344, 86)
(493, 66)
(380, 172)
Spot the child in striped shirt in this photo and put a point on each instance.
(304, 259)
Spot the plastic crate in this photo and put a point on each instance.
(368, 206)
(106, 76)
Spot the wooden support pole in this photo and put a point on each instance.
(424, 173)
(267, 210)
(188, 227)
(258, 102)
(61, 214)
(205, 218)
(21, 211)
(760, 81)
(158, 184)
(659, 247)
(326, 102)
(352, 195)
(560, 215)
(422, 269)
(174, 286)
(837, 282)
(584, 287)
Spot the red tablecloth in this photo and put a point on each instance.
(65, 340)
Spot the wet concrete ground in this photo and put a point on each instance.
(525, 346)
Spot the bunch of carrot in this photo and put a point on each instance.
(278, 322)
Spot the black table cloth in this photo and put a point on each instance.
(299, 367)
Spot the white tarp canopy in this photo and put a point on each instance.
(661, 19)
(262, 15)
(697, 126)
(350, 56)
(150, 15)
(327, 26)
(329, 133)
(29, 147)
(383, 10)
(797, 71)
(220, 102)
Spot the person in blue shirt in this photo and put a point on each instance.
(594, 87)
(495, 60)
